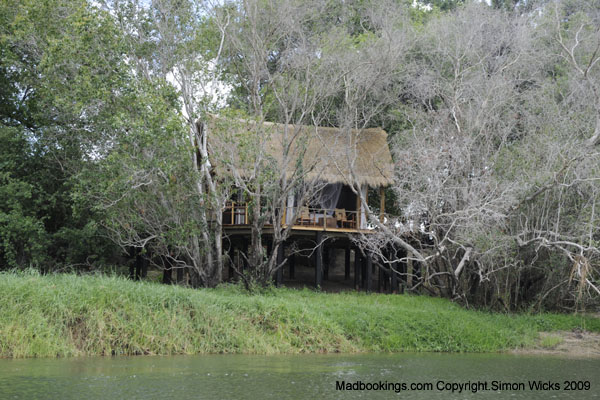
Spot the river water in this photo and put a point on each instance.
(393, 376)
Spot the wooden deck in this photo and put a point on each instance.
(235, 218)
(297, 229)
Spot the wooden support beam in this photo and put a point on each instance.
(363, 271)
(347, 263)
(232, 212)
(394, 285)
(279, 272)
(292, 260)
(269, 248)
(245, 247)
(326, 262)
(231, 262)
(319, 261)
(357, 267)
(369, 268)
(284, 217)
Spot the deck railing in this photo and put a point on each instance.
(235, 214)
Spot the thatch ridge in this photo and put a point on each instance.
(325, 153)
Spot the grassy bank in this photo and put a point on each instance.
(67, 315)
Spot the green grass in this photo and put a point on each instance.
(550, 341)
(68, 315)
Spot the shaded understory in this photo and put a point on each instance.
(69, 315)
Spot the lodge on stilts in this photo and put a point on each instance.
(323, 227)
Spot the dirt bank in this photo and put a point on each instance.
(576, 343)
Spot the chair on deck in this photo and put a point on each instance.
(343, 221)
(304, 217)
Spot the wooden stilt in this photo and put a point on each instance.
(369, 268)
(279, 272)
(319, 261)
(357, 267)
(231, 273)
(245, 255)
(326, 262)
(293, 266)
(386, 279)
(269, 248)
(363, 271)
(347, 263)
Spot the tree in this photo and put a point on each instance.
(59, 78)
(494, 186)
(283, 68)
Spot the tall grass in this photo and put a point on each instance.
(69, 315)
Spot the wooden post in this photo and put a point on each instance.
(326, 263)
(394, 285)
(381, 204)
(268, 249)
(357, 267)
(363, 270)
(279, 272)
(319, 261)
(347, 263)
(284, 217)
(292, 266)
(245, 254)
(232, 212)
(231, 260)
(369, 268)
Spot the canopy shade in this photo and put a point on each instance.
(331, 155)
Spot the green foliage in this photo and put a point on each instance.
(550, 341)
(23, 237)
(64, 85)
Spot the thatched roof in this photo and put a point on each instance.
(329, 154)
